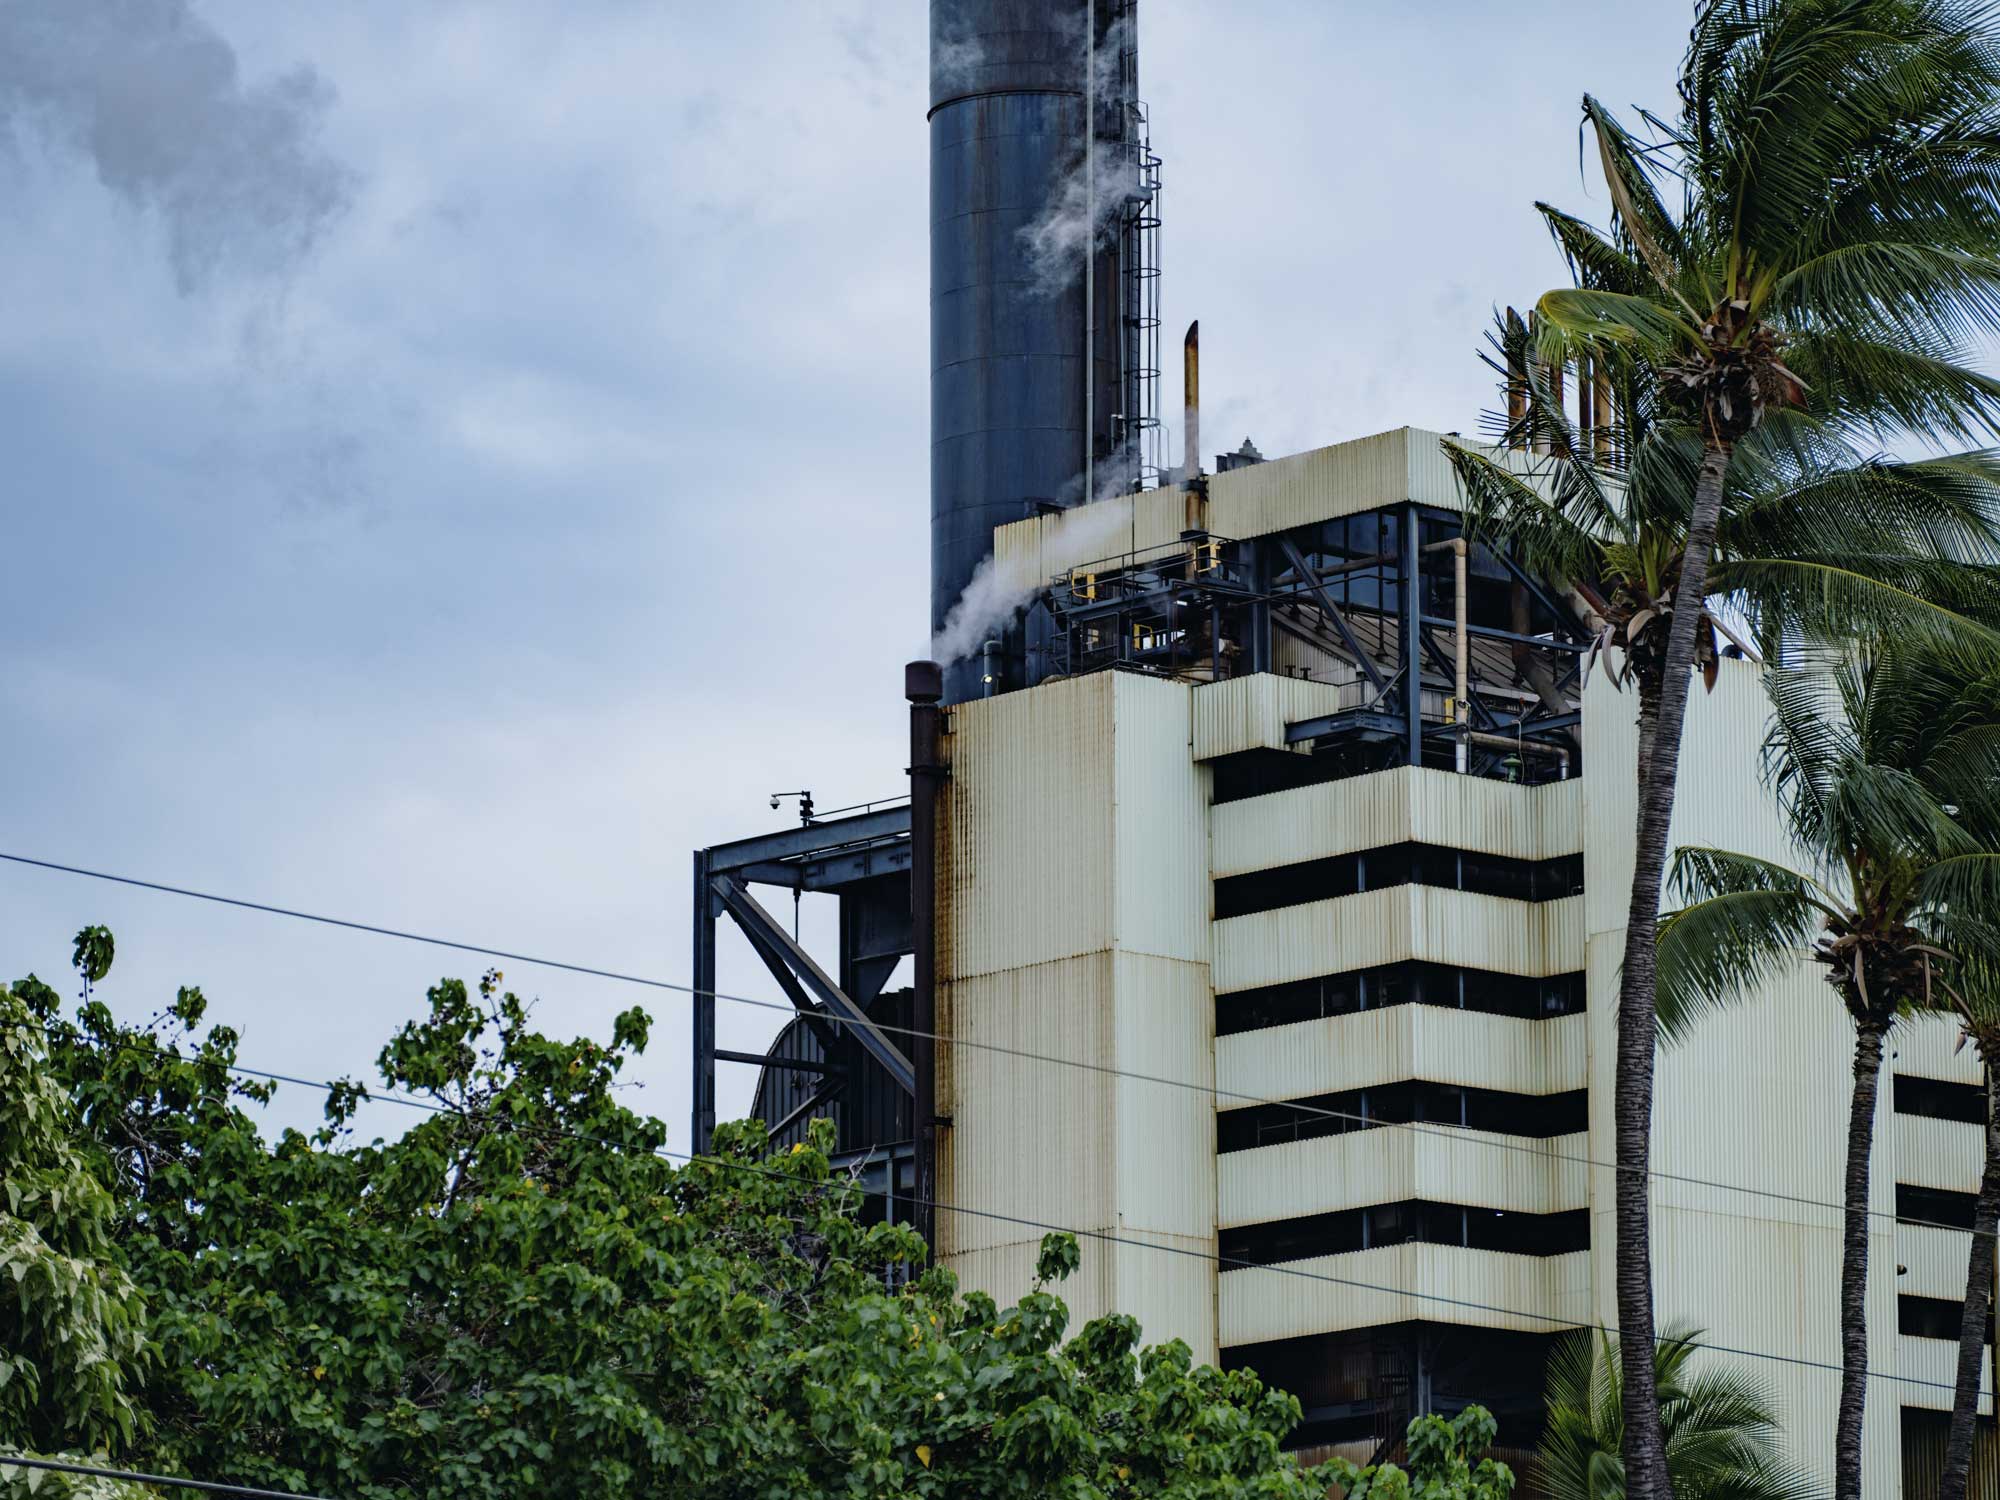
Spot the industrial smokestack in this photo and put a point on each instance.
(1025, 383)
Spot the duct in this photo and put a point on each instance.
(765, 932)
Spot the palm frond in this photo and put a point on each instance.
(1745, 924)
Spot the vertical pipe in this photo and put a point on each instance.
(702, 1125)
(923, 685)
(1191, 404)
(1089, 251)
(1600, 400)
(1461, 654)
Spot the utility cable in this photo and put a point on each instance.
(1221, 1262)
(63, 1466)
(1456, 1134)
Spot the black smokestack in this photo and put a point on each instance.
(1026, 366)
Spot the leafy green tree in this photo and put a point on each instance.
(1835, 250)
(1975, 995)
(1441, 1464)
(519, 1295)
(1721, 1430)
(1887, 770)
(71, 1322)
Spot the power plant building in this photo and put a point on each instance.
(1265, 879)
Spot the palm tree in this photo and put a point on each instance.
(1837, 244)
(1887, 770)
(1976, 997)
(1719, 1426)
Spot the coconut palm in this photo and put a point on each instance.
(1836, 246)
(1976, 998)
(1887, 770)
(1720, 1427)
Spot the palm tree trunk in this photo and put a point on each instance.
(1854, 1264)
(1659, 762)
(1978, 1305)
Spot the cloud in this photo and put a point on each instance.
(153, 96)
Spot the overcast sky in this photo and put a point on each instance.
(460, 455)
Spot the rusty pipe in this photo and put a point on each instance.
(1191, 404)
(923, 685)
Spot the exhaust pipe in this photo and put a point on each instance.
(1191, 404)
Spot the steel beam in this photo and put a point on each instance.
(1495, 633)
(763, 929)
(803, 1110)
(812, 839)
(763, 1060)
(702, 1124)
(1533, 585)
(1352, 718)
(830, 872)
(1317, 588)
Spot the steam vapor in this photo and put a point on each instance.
(1056, 245)
(990, 602)
(152, 96)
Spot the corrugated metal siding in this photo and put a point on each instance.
(1934, 1261)
(1721, 799)
(1160, 516)
(1344, 479)
(1164, 1028)
(1076, 873)
(1938, 1153)
(1407, 1041)
(1166, 1282)
(1388, 807)
(1029, 811)
(1924, 1373)
(1924, 1045)
(1250, 713)
(1029, 1138)
(1387, 926)
(1159, 822)
(1757, 1272)
(1442, 1283)
(1445, 1165)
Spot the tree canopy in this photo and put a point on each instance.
(520, 1294)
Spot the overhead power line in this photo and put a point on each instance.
(1554, 1323)
(1459, 1135)
(97, 1471)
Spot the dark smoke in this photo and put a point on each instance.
(153, 97)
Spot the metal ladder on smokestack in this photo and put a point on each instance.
(1139, 429)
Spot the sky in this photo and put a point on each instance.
(463, 455)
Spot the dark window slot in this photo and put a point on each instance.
(1409, 1222)
(1934, 1206)
(1397, 865)
(1412, 983)
(1935, 1099)
(1539, 1116)
(1934, 1318)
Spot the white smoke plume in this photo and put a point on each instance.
(990, 602)
(1086, 202)
(151, 95)
(956, 61)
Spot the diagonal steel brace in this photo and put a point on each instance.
(764, 931)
